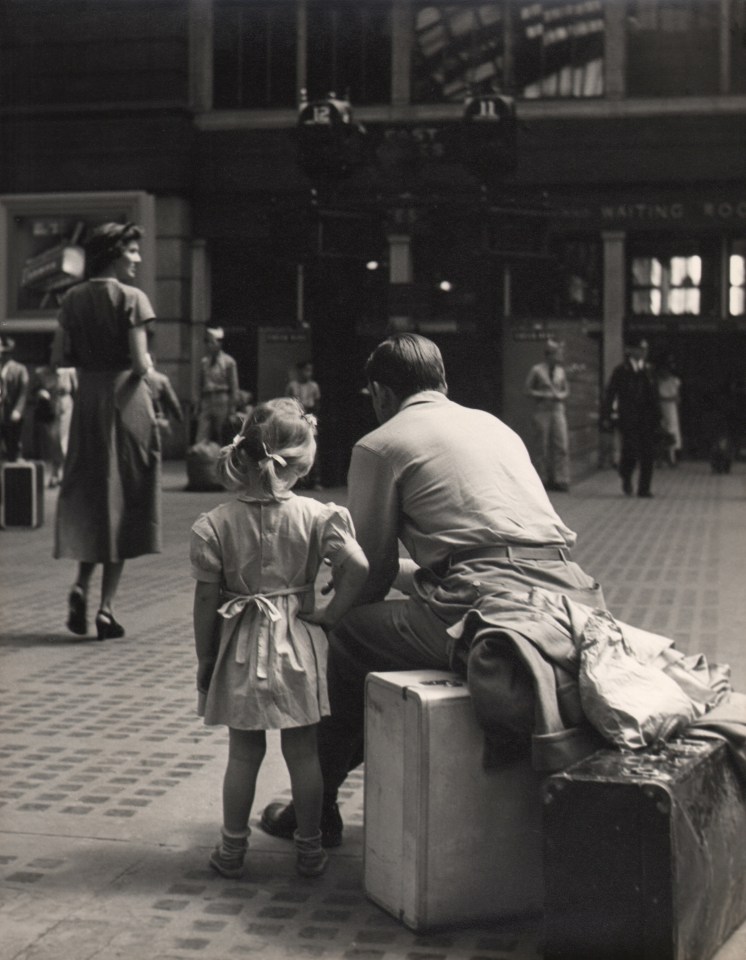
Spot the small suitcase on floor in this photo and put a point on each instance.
(446, 842)
(645, 854)
(22, 494)
(201, 466)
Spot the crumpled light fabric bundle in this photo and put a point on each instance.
(635, 688)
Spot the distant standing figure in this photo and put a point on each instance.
(547, 384)
(14, 384)
(218, 389)
(244, 409)
(305, 389)
(47, 445)
(109, 504)
(165, 401)
(669, 394)
(67, 388)
(633, 388)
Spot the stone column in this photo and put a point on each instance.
(200, 55)
(614, 300)
(200, 310)
(726, 15)
(402, 40)
(615, 49)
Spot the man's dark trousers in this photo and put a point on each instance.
(638, 447)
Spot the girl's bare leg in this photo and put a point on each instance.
(245, 754)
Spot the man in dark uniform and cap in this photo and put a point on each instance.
(633, 387)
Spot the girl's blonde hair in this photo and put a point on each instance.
(277, 444)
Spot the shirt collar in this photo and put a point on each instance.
(424, 396)
(264, 498)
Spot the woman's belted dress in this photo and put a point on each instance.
(109, 508)
(271, 667)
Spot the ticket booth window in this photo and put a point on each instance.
(666, 285)
(737, 279)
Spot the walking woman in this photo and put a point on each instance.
(109, 504)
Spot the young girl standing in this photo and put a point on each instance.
(261, 646)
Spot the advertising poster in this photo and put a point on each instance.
(42, 250)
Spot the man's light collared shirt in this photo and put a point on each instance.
(219, 375)
(443, 478)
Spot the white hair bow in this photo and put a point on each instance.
(281, 461)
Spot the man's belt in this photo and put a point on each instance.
(514, 551)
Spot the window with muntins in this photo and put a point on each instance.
(737, 279)
(548, 48)
(667, 285)
(349, 50)
(558, 49)
(673, 47)
(254, 54)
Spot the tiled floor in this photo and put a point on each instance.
(110, 785)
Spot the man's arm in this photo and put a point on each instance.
(373, 503)
(197, 401)
(612, 391)
(170, 401)
(562, 389)
(233, 384)
(20, 404)
(536, 386)
(316, 398)
(529, 388)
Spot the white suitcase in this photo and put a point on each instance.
(446, 841)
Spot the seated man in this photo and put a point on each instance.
(457, 488)
(494, 593)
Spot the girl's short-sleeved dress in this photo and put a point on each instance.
(109, 504)
(271, 667)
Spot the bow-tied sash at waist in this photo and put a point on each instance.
(234, 608)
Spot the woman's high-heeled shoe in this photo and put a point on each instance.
(107, 627)
(77, 615)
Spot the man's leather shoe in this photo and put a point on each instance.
(627, 487)
(645, 493)
(278, 820)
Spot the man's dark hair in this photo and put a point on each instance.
(407, 363)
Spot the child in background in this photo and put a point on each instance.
(261, 646)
